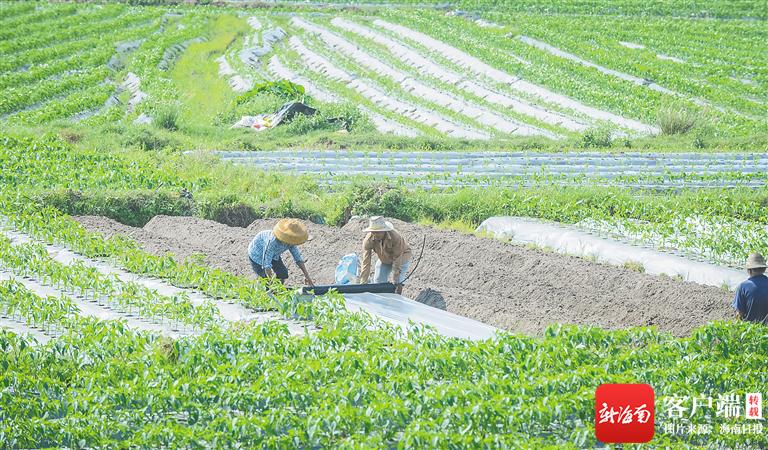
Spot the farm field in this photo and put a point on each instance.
(129, 317)
(510, 83)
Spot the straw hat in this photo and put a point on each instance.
(291, 231)
(755, 261)
(378, 223)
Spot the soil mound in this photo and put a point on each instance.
(431, 297)
(505, 285)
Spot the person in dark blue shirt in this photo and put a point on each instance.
(751, 301)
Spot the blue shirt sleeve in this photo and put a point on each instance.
(296, 254)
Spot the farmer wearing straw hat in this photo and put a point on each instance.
(751, 301)
(265, 249)
(393, 252)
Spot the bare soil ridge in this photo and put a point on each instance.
(512, 287)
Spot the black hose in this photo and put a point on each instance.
(423, 244)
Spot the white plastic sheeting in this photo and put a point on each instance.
(670, 58)
(379, 97)
(382, 124)
(277, 69)
(22, 329)
(400, 310)
(251, 54)
(174, 51)
(632, 45)
(254, 22)
(229, 310)
(467, 84)
(615, 73)
(479, 114)
(132, 83)
(624, 76)
(474, 65)
(143, 119)
(94, 310)
(386, 125)
(694, 234)
(567, 240)
(490, 165)
(237, 82)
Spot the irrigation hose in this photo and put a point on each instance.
(423, 244)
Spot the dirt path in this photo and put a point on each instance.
(505, 285)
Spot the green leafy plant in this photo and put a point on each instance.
(282, 88)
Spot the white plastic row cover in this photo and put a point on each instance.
(419, 89)
(532, 156)
(237, 82)
(281, 72)
(476, 66)
(417, 60)
(323, 66)
(567, 240)
(382, 124)
(402, 311)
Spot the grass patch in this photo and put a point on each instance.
(196, 74)
(634, 266)
(674, 121)
(167, 117)
(455, 225)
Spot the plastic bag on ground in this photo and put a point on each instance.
(257, 123)
(348, 269)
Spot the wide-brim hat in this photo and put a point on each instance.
(755, 261)
(377, 224)
(291, 231)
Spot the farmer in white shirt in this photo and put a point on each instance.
(265, 249)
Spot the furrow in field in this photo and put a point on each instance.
(92, 309)
(23, 329)
(412, 57)
(551, 49)
(474, 65)
(382, 124)
(625, 76)
(678, 170)
(237, 82)
(132, 84)
(229, 310)
(415, 87)
(386, 125)
(322, 66)
(279, 71)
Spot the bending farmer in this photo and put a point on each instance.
(265, 249)
(392, 250)
(751, 301)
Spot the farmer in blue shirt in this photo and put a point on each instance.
(265, 250)
(751, 301)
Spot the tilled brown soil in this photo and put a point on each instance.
(509, 286)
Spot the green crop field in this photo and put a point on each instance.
(589, 80)
(117, 109)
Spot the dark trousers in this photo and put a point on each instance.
(277, 266)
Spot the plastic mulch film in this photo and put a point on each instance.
(401, 310)
(567, 240)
